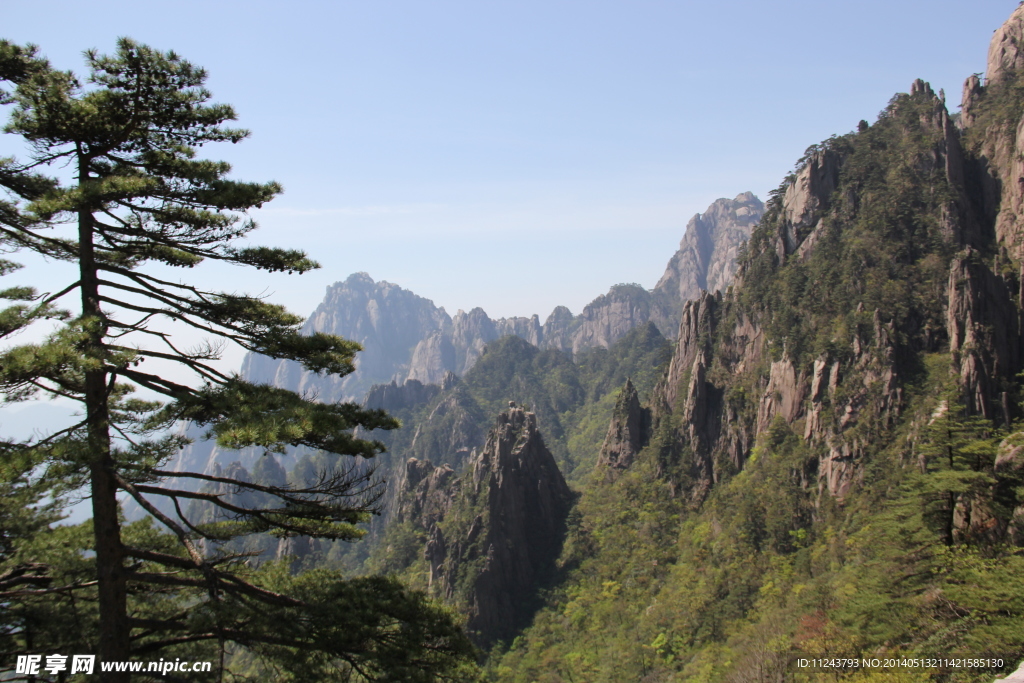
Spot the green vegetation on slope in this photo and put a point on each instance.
(883, 245)
(767, 568)
(573, 399)
(910, 561)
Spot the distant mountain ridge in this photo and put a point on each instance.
(405, 336)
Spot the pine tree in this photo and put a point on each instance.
(140, 197)
(957, 453)
(43, 572)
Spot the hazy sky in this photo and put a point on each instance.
(519, 155)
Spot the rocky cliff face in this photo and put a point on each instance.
(426, 493)
(984, 301)
(628, 432)
(610, 316)
(850, 386)
(996, 134)
(495, 532)
(1005, 51)
(410, 344)
(450, 431)
(706, 259)
(394, 398)
(387, 320)
(755, 358)
(984, 336)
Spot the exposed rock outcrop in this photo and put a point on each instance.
(784, 395)
(387, 320)
(706, 259)
(404, 336)
(450, 431)
(805, 203)
(526, 328)
(984, 334)
(610, 316)
(998, 139)
(628, 432)
(694, 338)
(558, 328)
(724, 388)
(494, 533)
(432, 358)
(392, 397)
(1009, 469)
(297, 549)
(1006, 50)
(426, 493)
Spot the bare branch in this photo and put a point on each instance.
(167, 521)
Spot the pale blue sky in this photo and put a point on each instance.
(520, 155)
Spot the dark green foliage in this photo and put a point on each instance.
(760, 570)
(141, 197)
(639, 356)
(371, 629)
(957, 454)
(44, 578)
(998, 106)
(513, 369)
(882, 246)
(578, 395)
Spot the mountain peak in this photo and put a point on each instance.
(706, 259)
(1005, 52)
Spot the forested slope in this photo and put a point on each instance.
(832, 464)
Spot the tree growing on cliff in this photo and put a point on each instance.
(141, 197)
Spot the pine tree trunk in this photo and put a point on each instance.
(113, 604)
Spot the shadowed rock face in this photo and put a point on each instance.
(1001, 164)
(983, 327)
(496, 532)
(628, 432)
(426, 493)
(391, 397)
(413, 344)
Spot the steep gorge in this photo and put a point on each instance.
(831, 461)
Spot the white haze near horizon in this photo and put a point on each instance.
(514, 155)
